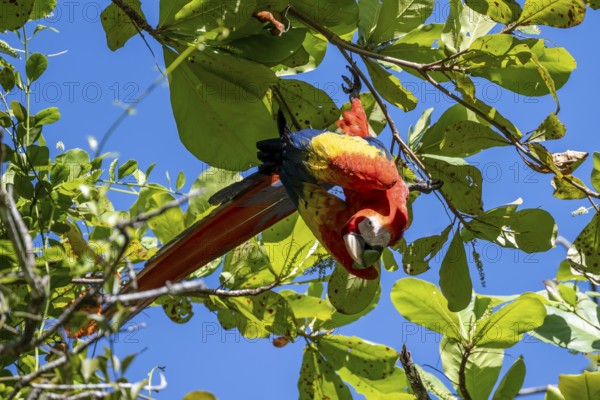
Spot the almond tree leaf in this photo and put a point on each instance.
(596, 171)
(564, 190)
(455, 279)
(350, 294)
(318, 380)
(118, 27)
(362, 358)
(512, 381)
(583, 255)
(382, 21)
(312, 107)
(556, 13)
(423, 303)
(503, 11)
(392, 387)
(15, 13)
(505, 327)
(390, 87)
(482, 368)
(515, 64)
(581, 387)
(462, 182)
(216, 91)
(465, 138)
(551, 128)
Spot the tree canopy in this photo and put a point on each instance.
(71, 241)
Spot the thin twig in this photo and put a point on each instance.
(412, 374)
(532, 390)
(195, 288)
(462, 377)
(91, 386)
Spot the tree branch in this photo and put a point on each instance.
(412, 374)
(137, 19)
(23, 246)
(195, 288)
(462, 378)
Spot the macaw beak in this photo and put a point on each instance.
(361, 252)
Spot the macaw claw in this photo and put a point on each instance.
(354, 84)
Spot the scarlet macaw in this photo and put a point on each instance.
(355, 230)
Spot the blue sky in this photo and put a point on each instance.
(85, 82)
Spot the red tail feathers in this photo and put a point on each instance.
(228, 226)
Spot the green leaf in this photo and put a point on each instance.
(195, 16)
(168, 224)
(382, 21)
(512, 381)
(580, 387)
(350, 294)
(47, 116)
(15, 13)
(463, 26)
(415, 134)
(39, 156)
(177, 308)
(556, 13)
(462, 182)
(6, 49)
(434, 385)
(180, 180)
(506, 327)
(217, 91)
(291, 246)
(393, 387)
(551, 128)
(127, 169)
(308, 57)
(318, 380)
(273, 49)
(564, 190)
(369, 360)
(7, 79)
(42, 8)
(416, 256)
(247, 266)
(552, 393)
(564, 328)
(208, 183)
(313, 108)
(465, 138)
(596, 171)
(307, 306)
(455, 280)
(583, 254)
(421, 46)
(199, 395)
(18, 110)
(593, 4)
(516, 64)
(503, 11)
(118, 27)
(531, 230)
(422, 302)
(481, 369)
(390, 87)
(35, 66)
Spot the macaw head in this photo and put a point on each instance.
(366, 235)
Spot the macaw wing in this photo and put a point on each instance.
(325, 214)
(356, 163)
